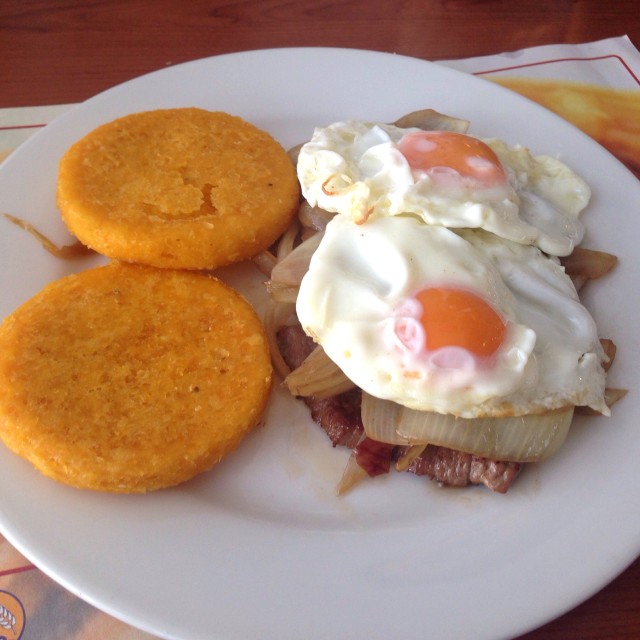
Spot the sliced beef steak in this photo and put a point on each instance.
(458, 469)
(339, 416)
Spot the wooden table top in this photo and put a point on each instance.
(62, 52)
(57, 52)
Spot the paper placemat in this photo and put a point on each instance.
(595, 86)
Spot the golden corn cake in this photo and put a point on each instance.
(126, 378)
(177, 188)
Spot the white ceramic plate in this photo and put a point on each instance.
(260, 548)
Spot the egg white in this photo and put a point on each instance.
(356, 168)
(358, 297)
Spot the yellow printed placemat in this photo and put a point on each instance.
(595, 86)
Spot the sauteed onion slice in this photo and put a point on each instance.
(318, 376)
(519, 439)
(291, 269)
(431, 120)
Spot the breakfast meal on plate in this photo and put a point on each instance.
(424, 312)
(178, 188)
(127, 378)
(423, 302)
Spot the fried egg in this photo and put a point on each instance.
(461, 322)
(359, 169)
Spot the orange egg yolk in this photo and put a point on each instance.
(470, 157)
(454, 317)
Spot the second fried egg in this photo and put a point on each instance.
(463, 323)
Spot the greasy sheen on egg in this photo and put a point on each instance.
(359, 168)
(361, 300)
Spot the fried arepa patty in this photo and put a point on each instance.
(126, 378)
(177, 188)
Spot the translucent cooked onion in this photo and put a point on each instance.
(412, 452)
(313, 217)
(294, 152)
(276, 316)
(431, 120)
(352, 475)
(518, 439)
(265, 261)
(318, 376)
(610, 349)
(588, 263)
(380, 419)
(611, 396)
(287, 241)
(291, 269)
(66, 252)
(280, 292)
